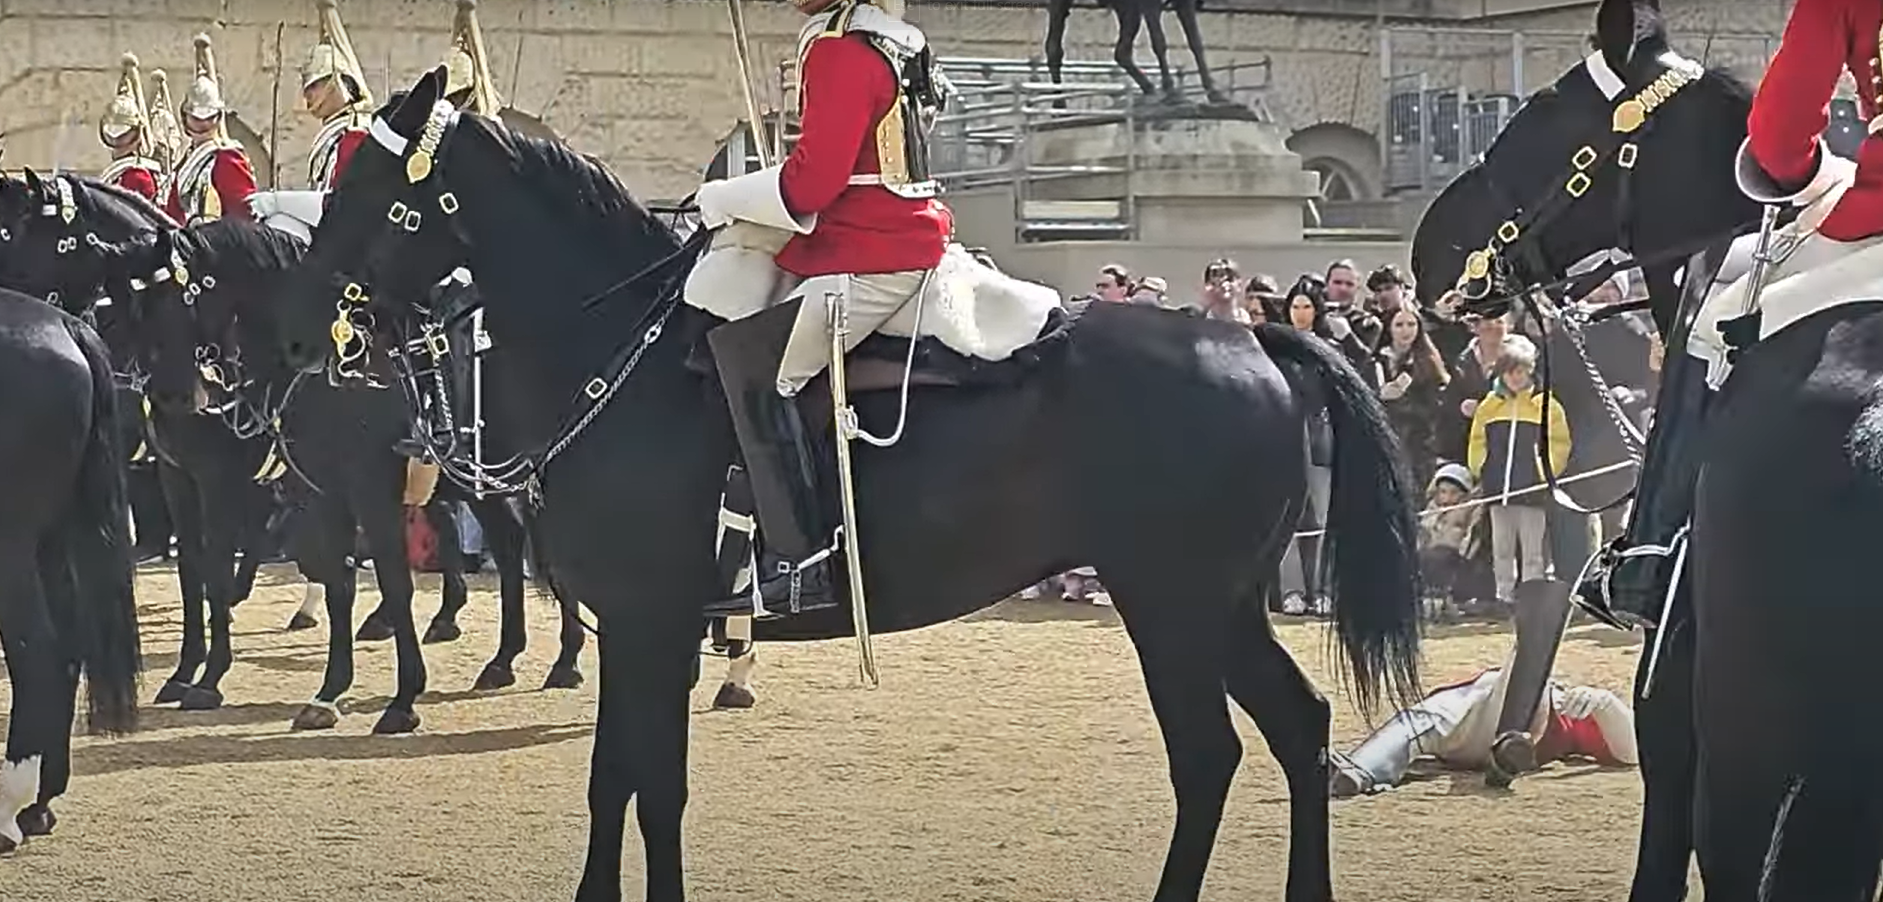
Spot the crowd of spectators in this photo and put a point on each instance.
(1463, 398)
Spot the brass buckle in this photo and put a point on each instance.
(353, 293)
(1584, 158)
(595, 389)
(437, 344)
(1507, 233)
(1625, 158)
(1578, 184)
(448, 202)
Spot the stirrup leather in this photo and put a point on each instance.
(795, 573)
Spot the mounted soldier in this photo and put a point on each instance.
(125, 131)
(851, 216)
(1784, 161)
(333, 88)
(215, 179)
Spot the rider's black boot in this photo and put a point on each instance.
(793, 567)
(1640, 564)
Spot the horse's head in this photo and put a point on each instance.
(51, 230)
(388, 235)
(1632, 149)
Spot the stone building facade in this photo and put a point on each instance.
(648, 85)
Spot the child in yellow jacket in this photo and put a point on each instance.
(1505, 456)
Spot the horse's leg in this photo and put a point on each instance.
(444, 626)
(1664, 734)
(62, 605)
(1265, 681)
(312, 594)
(741, 658)
(224, 518)
(325, 541)
(503, 537)
(1186, 684)
(384, 524)
(566, 673)
(1160, 46)
(648, 670)
(1129, 18)
(187, 514)
(1193, 35)
(33, 658)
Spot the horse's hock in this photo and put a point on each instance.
(1196, 177)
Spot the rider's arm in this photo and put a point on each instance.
(1790, 109)
(847, 86)
(350, 141)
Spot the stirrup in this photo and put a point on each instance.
(795, 573)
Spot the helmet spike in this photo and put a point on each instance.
(127, 110)
(467, 66)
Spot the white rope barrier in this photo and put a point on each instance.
(1501, 497)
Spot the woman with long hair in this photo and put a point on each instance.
(1412, 380)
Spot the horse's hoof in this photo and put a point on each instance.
(373, 630)
(442, 631)
(494, 677)
(37, 820)
(733, 695)
(172, 691)
(302, 621)
(8, 845)
(316, 716)
(200, 699)
(396, 721)
(563, 677)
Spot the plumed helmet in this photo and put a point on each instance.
(467, 66)
(166, 133)
(204, 98)
(126, 112)
(332, 55)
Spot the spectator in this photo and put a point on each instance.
(1505, 458)
(1219, 299)
(1445, 325)
(1343, 285)
(1114, 283)
(1300, 572)
(1151, 290)
(1448, 539)
(1412, 381)
(1470, 381)
(1308, 310)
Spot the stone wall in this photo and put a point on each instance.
(648, 85)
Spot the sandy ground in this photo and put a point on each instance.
(1011, 756)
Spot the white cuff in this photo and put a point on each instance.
(754, 197)
(1833, 170)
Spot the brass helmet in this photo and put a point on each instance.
(166, 134)
(332, 56)
(467, 66)
(204, 99)
(127, 112)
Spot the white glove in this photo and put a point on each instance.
(712, 211)
(263, 205)
(1340, 327)
(1392, 391)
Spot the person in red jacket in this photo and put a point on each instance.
(334, 91)
(853, 198)
(215, 178)
(124, 129)
(1783, 160)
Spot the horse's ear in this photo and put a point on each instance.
(1615, 33)
(410, 117)
(33, 183)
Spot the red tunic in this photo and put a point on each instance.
(848, 87)
(1822, 39)
(231, 177)
(350, 141)
(140, 180)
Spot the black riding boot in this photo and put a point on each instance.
(1643, 562)
(793, 566)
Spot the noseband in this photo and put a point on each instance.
(1513, 255)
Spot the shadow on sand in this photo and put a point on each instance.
(186, 751)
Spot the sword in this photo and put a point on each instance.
(1755, 284)
(837, 315)
(742, 50)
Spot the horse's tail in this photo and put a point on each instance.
(1371, 546)
(99, 553)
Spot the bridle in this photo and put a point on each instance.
(420, 355)
(1513, 254)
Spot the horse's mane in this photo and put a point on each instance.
(582, 186)
(246, 245)
(89, 201)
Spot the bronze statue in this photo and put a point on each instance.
(1131, 15)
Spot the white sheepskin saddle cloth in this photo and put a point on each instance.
(294, 212)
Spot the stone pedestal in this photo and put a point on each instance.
(1198, 176)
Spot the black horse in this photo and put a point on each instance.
(964, 511)
(214, 333)
(54, 230)
(66, 602)
(1755, 715)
